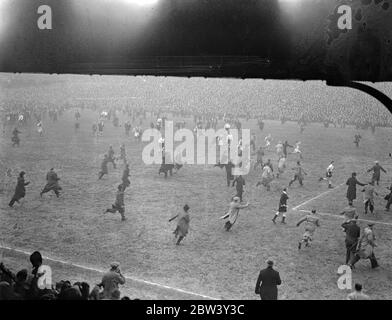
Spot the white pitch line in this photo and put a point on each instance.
(318, 196)
(125, 276)
(342, 217)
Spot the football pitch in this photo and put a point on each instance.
(210, 263)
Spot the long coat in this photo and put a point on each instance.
(183, 220)
(376, 172)
(352, 188)
(267, 284)
(20, 190)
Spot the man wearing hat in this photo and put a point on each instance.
(365, 248)
(183, 220)
(352, 188)
(349, 213)
(233, 212)
(312, 222)
(368, 196)
(353, 232)
(52, 183)
(268, 282)
(20, 190)
(376, 172)
(111, 280)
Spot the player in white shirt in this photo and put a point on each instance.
(268, 140)
(328, 175)
(279, 149)
(297, 150)
(39, 128)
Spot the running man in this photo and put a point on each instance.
(297, 150)
(233, 212)
(282, 207)
(312, 222)
(328, 175)
(52, 183)
(111, 157)
(20, 190)
(182, 228)
(259, 158)
(299, 174)
(104, 167)
(281, 166)
(368, 197)
(376, 172)
(268, 140)
(119, 203)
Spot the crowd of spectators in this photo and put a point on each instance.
(251, 99)
(34, 285)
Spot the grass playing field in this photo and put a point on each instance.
(210, 261)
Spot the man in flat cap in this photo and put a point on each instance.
(20, 190)
(376, 172)
(232, 214)
(268, 282)
(111, 280)
(365, 248)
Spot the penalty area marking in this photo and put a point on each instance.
(102, 271)
(342, 217)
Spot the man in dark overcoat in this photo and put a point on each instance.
(268, 282)
(352, 188)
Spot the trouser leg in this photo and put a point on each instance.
(354, 259)
(12, 202)
(373, 261)
(389, 202)
(228, 225)
(179, 240)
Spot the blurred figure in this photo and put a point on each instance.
(182, 228)
(312, 222)
(119, 203)
(357, 294)
(20, 190)
(111, 281)
(52, 183)
(376, 172)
